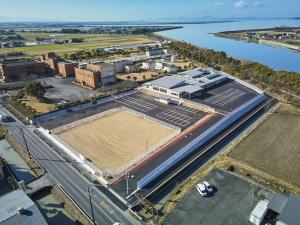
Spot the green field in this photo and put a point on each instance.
(90, 41)
(273, 147)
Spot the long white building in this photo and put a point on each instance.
(187, 84)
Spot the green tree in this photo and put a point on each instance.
(35, 89)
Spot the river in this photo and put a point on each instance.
(274, 57)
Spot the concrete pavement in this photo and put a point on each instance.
(106, 212)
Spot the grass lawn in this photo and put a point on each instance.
(273, 147)
(40, 107)
(90, 41)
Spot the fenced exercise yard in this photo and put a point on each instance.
(113, 141)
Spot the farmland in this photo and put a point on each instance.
(90, 41)
(274, 146)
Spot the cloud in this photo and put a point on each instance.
(258, 4)
(219, 4)
(240, 4)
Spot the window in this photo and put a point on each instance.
(163, 90)
(174, 93)
(155, 88)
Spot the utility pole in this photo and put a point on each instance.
(91, 204)
(25, 142)
(127, 182)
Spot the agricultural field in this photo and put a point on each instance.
(115, 139)
(90, 41)
(273, 147)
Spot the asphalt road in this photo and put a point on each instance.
(106, 212)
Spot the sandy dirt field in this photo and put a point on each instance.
(114, 140)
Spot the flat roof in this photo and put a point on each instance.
(9, 210)
(188, 89)
(167, 82)
(15, 63)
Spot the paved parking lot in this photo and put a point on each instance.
(231, 204)
(227, 96)
(179, 116)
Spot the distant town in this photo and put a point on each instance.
(286, 37)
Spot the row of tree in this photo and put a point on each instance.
(278, 80)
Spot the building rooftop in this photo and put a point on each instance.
(188, 88)
(18, 208)
(168, 82)
(20, 62)
(277, 203)
(290, 213)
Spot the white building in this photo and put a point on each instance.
(159, 65)
(120, 65)
(149, 65)
(170, 68)
(131, 69)
(173, 58)
(188, 84)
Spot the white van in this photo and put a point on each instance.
(201, 189)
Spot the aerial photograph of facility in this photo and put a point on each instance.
(142, 113)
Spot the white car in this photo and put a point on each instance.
(201, 189)
(209, 188)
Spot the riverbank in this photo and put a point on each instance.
(282, 37)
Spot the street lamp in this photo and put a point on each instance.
(90, 197)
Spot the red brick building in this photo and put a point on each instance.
(95, 75)
(21, 70)
(51, 61)
(66, 69)
(87, 77)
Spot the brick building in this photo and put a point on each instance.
(21, 70)
(51, 62)
(87, 77)
(66, 69)
(95, 75)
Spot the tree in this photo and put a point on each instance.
(35, 89)
(128, 77)
(144, 77)
(135, 78)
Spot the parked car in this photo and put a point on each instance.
(209, 188)
(201, 189)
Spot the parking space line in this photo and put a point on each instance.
(226, 97)
(174, 117)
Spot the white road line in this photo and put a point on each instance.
(217, 96)
(236, 97)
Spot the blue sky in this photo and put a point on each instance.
(116, 10)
